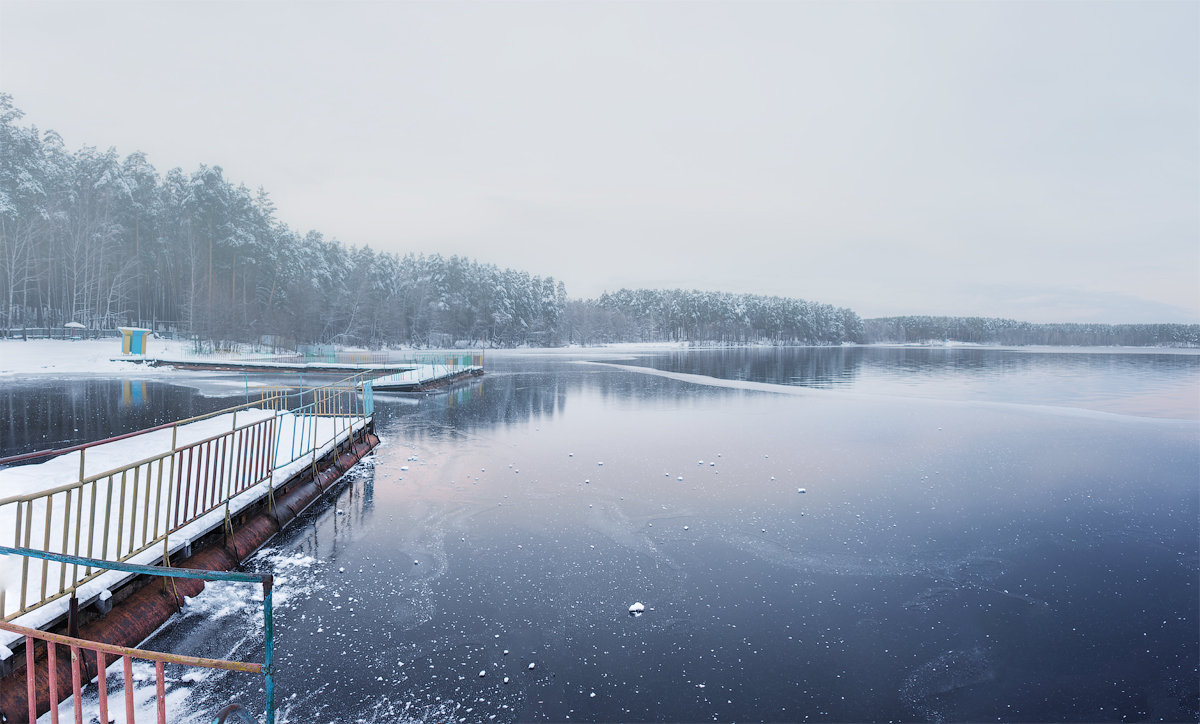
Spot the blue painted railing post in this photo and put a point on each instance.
(269, 657)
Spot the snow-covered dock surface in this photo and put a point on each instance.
(422, 376)
(267, 364)
(64, 470)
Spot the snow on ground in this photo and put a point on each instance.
(80, 356)
(96, 356)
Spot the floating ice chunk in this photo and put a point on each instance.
(532, 665)
(506, 652)
(587, 482)
(680, 478)
(340, 511)
(712, 465)
(601, 464)
(570, 455)
(699, 462)
(341, 570)
(416, 563)
(403, 468)
(801, 490)
(505, 681)
(192, 677)
(685, 528)
(772, 477)
(638, 608)
(483, 673)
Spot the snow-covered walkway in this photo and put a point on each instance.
(137, 491)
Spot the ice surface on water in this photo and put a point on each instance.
(924, 688)
(553, 572)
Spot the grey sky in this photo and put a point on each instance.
(1035, 160)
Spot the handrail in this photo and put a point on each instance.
(83, 446)
(164, 571)
(153, 458)
(266, 668)
(165, 426)
(121, 513)
(244, 666)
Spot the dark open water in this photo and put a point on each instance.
(949, 560)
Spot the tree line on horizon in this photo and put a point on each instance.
(96, 239)
(991, 330)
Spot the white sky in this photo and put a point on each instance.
(1035, 160)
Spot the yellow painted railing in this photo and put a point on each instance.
(120, 513)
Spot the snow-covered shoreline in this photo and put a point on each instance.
(101, 357)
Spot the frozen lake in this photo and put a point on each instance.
(982, 535)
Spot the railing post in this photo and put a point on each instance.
(170, 495)
(269, 657)
(274, 453)
(25, 563)
(229, 477)
(30, 689)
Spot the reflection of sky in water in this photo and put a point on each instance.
(1136, 383)
(946, 561)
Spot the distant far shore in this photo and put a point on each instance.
(103, 356)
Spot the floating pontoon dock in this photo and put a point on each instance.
(421, 373)
(199, 493)
(424, 377)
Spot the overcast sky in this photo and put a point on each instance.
(1034, 160)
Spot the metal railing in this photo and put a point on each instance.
(452, 358)
(57, 333)
(101, 651)
(123, 512)
(334, 408)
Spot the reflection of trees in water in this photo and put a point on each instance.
(59, 413)
(518, 392)
(820, 367)
(509, 396)
(931, 361)
(491, 400)
(824, 367)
